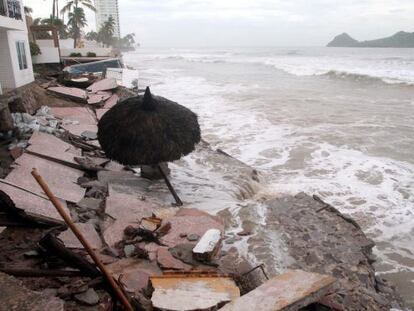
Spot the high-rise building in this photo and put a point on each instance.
(105, 9)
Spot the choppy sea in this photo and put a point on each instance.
(336, 122)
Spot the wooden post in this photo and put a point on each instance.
(170, 187)
(119, 293)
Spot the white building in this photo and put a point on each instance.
(15, 61)
(105, 9)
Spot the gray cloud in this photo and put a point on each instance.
(262, 22)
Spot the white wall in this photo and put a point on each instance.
(6, 69)
(50, 55)
(66, 43)
(45, 42)
(25, 76)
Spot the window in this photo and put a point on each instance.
(21, 54)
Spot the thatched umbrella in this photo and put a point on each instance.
(148, 130)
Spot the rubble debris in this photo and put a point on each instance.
(108, 277)
(192, 237)
(53, 245)
(51, 146)
(100, 113)
(184, 252)
(14, 296)
(232, 263)
(61, 178)
(88, 164)
(112, 101)
(69, 115)
(42, 121)
(129, 250)
(291, 290)
(126, 209)
(98, 98)
(79, 129)
(89, 135)
(35, 273)
(133, 274)
(71, 93)
(16, 152)
(90, 204)
(185, 223)
(185, 292)
(103, 85)
(32, 204)
(90, 297)
(208, 246)
(87, 230)
(167, 261)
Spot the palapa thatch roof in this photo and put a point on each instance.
(145, 130)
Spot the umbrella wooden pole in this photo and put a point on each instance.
(119, 293)
(170, 187)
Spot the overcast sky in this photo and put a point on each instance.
(192, 23)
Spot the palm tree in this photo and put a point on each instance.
(59, 24)
(75, 4)
(76, 22)
(106, 33)
(28, 10)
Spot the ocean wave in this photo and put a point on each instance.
(386, 69)
(362, 77)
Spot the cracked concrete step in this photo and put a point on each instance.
(289, 291)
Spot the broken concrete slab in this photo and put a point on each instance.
(82, 115)
(167, 261)
(94, 99)
(182, 226)
(89, 298)
(61, 179)
(2, 229)
(112, 101)
(100, 113)
(126, 209)
(89, 135)
(133, 273)
(36, 205)
(79, 129)
(103, 85)
(87, 230)
(90, 204)
(292, 290)
(185, 292)
(72, 93)
(114, 166)
(15, 296)
(51, 146)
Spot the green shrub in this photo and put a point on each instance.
(34, 49)
(91, 54)
(73, 54)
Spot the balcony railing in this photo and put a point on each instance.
(11, 8)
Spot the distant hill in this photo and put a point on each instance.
(401, 39)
